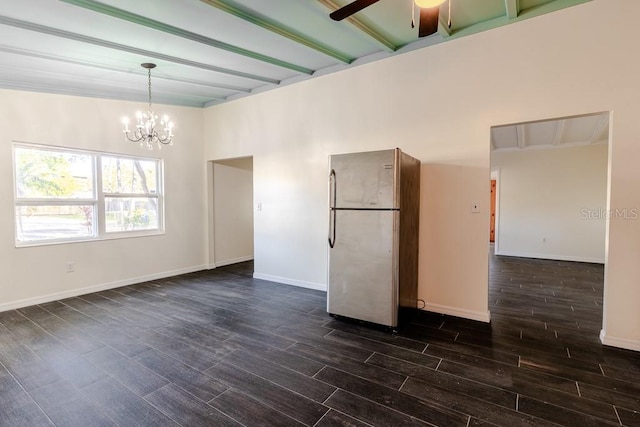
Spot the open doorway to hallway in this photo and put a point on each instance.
(546, 264)
(231, 214)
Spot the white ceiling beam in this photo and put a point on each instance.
(58, 58)
(277, 28)
(599, 128)
(557, 138)
(522, 138)
(443, 27)
(512, 7)
(380, 40)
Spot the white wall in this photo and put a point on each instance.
(35, 274)
(438, 104)
(233, 210)
(552, 203)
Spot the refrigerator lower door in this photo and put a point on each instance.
(363, 275)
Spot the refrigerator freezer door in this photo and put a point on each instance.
(365, 180)
(363, 278)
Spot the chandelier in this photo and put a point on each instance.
(145, 131)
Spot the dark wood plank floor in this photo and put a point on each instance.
(220, 348)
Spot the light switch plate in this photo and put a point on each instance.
(475, 207)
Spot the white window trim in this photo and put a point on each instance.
(98, 201)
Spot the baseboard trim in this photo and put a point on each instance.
(231, 261)
(292, 282)
(96, 288)
(619, 342)
(551, 257)
(459, 312)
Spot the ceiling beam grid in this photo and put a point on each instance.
(521, 138)
(179, 32)
(444, 27)
(56, 58)
(557, 138)
(130, 49)
(278, 28)
(599, 128)
(513, 8)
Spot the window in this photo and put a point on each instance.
(68, 195)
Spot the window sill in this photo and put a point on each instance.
(109, 236)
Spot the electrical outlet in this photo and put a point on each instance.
(259, 207)
(71, 267)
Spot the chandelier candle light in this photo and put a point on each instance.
(428, 3)
(145, 132)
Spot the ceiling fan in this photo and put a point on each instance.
(429, 11)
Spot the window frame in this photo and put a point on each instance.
(98, 201)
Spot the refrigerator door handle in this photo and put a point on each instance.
(332, 205)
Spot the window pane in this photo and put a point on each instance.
(53, 174)
(132, 176)
(34, 223)
(131, 213)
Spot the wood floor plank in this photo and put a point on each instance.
(251, 412)
(345, 364)
(376, 335)
(312, 339)
(69, 366)
(449, 382)
(123, 406)
(193, 356)
(72, 337)
(181, 407)
(17, 408)
(287, 378)
(24, 330)
(137, 377)
(475, 408)
(630, 402)
(371, 412)
(286, 401)
(28, 368)
(338, 419)
(629, 418)
(383, 348)
(66, 406)
(422, 410)
(291, 361)
(560, 415)
(509, 377)
(193, 381)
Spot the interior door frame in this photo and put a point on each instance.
(211, 259)
(495, 174)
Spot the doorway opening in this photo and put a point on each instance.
(549, 205)
(231, 232)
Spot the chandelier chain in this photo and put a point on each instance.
(149, 73)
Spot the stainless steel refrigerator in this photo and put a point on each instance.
(374, 203)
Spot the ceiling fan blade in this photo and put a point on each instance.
(350, 9)
(428, 21)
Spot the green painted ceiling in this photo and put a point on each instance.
(211, 51)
